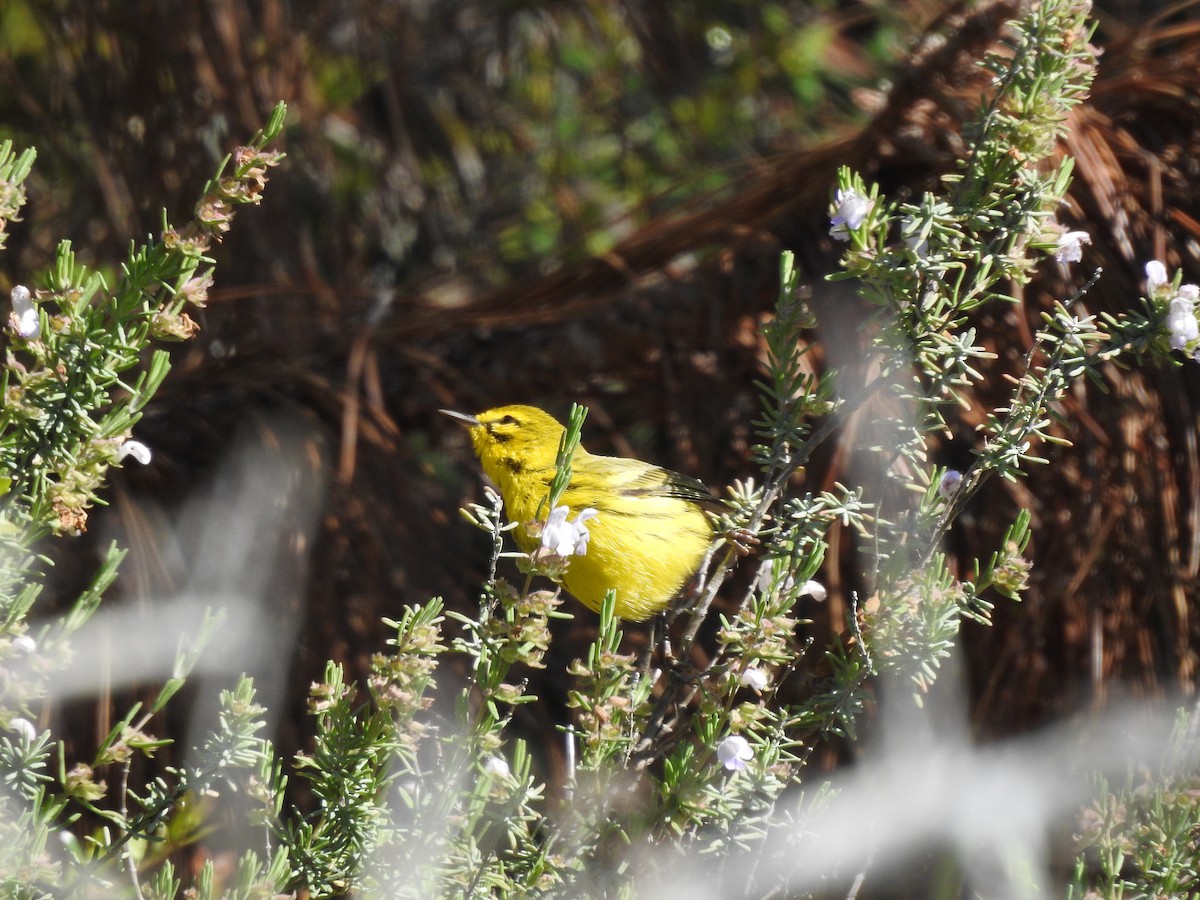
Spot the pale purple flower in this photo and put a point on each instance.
(734, 752)
(1070, 246)
(564, 538)
(1156, 276)
(814, 589)
(139, 451)
(850, 211)
(25, 319)
(950, 483)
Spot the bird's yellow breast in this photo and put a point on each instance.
(645, 548)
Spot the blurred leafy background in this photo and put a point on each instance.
(543, 202)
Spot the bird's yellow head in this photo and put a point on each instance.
(511, 441)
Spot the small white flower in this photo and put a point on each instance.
(850, 210)
(136, 449)
(1156, 276)
(754, 678)
(1181, 304)
(24, 644)
(1183, 330)
(565, 538)
(24, 728)
(496, 767)
(1070, 246)
(1189, 292)
(25, 319)
(1181, 322)
(734, 752)
(950, 483)
(766, 578)
(814, 589)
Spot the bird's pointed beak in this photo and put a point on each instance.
(462, 417)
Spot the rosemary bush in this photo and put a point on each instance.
(80, 366)
(679, 777)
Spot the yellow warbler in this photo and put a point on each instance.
(648, 535)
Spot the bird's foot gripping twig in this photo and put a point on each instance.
(742, 540)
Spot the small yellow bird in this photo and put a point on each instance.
(649, 533)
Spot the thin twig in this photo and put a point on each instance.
(130, 862)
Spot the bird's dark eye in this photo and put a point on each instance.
(507, 420)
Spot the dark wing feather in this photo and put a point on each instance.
(634, 478)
